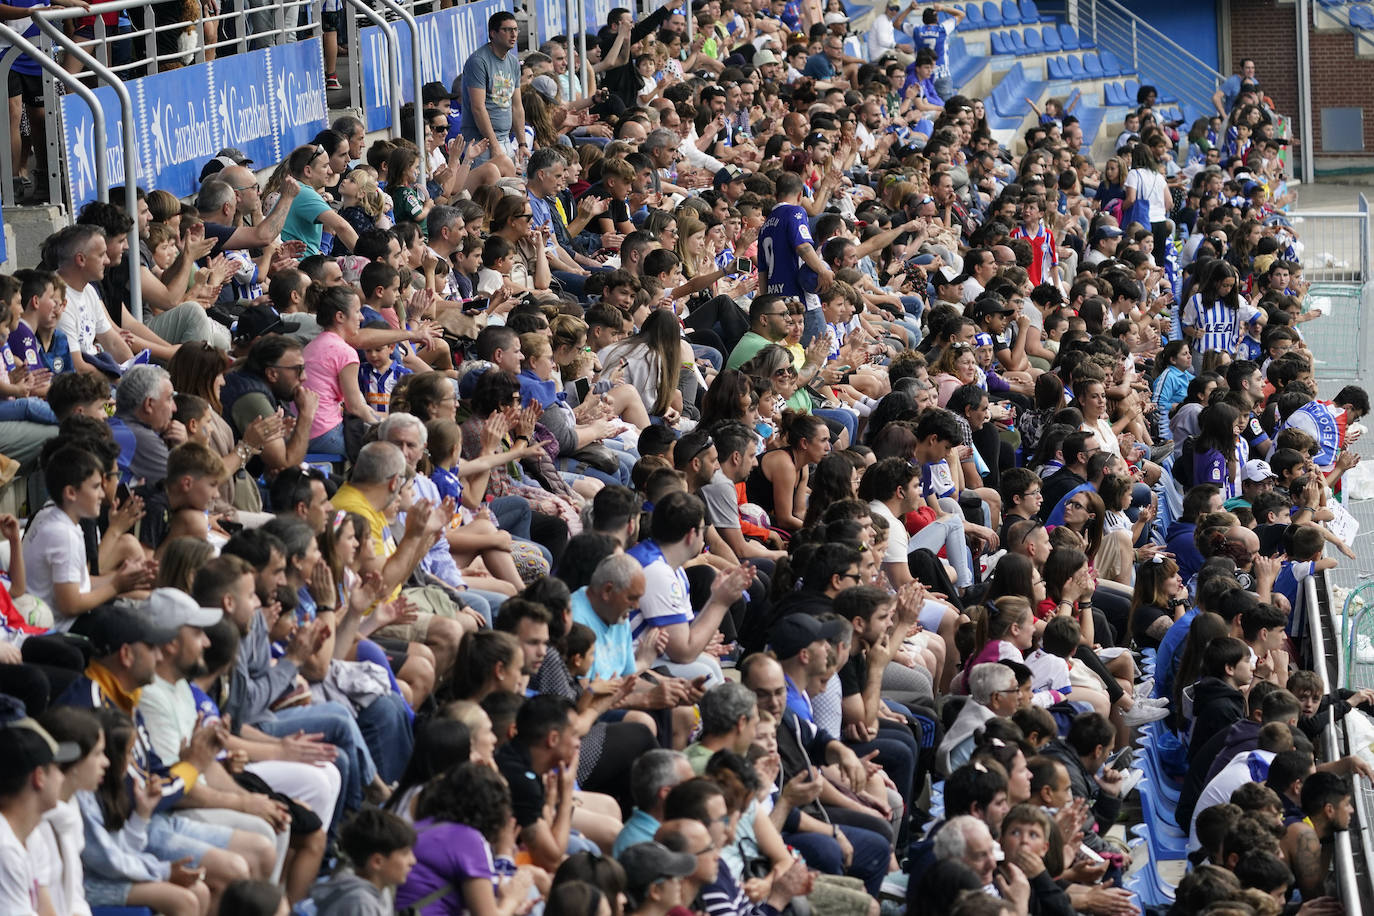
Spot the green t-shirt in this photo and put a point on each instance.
(300, 225)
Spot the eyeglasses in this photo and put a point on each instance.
(298, 369)
(1074, 505)
(438, 128)
(524, 216)
(855, 576)
(775, 314)
(788, 372)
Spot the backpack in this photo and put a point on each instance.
(1138, 212)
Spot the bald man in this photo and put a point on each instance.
(225, 219)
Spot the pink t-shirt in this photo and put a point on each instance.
(324, 357)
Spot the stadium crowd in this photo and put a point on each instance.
(742, 486)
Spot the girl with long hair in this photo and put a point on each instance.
(658, 362)
(1215, 458)
(1159, 599)
(1211, 319)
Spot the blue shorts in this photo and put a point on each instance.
(171, 838)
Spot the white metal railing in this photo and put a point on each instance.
(1155, 56)
(1335, 245)
(1343, 857)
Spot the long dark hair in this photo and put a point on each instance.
(1217, 429)
(1206, 627)
(440, 745)
(661, 336)
(113, 793)
(831, 481)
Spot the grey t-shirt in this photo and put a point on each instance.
(499, 78)
(722, 509)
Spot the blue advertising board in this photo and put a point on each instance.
(551, 18)
(263, 102)
(447, 38)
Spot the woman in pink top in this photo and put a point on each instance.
(331, 370)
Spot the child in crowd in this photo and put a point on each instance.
(21, 392)
(378, 372)
(381, 848)
(35, 339)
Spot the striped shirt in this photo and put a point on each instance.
(1044, 256)
(1218, 322)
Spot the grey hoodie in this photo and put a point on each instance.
(346, 894)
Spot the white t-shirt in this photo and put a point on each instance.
(84, 319)
(882, 37)
(55, 849)
(1149, 186)
(55, 552)
(169, 712)
(18, 887)
(897, 538)
(1242, 769)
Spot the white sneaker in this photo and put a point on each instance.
(1130, 781)
(1145, 687)
(1152, 701)
(894, 885)
(1141, 713)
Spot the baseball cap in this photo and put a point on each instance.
(1257, 470)
(28, 745)
(924, 259)
(765, 57)
(215, 166)
(171, 608)
(982, 340)
(795, 632)
(836, 19)
(112, 626)
(545, 86)
(1106, 232)
(259, 321)
(646, 863)
(728, 174)
(947, 276)
(986, 306)
(237, 156)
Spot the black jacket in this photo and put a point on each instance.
(1216, 706)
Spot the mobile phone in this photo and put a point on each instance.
(474, 306)
(1085, 853)
(744, 265)
(581, 387)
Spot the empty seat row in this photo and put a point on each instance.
(1090, 66)
(1034, 40)
(991, 14)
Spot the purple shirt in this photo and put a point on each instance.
(445, 853)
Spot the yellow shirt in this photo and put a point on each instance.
(351, 499)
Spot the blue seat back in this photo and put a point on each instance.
(1014, 41)
(1011, 14)
(992, 13)
(1051, 36)
(1111, 65)
(1091, 65)
(1029, 11)
(973, 15)
(1076, 70)
(1033, 42)
(1068, 37)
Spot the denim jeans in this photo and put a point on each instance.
(484, 603)
(328, 443)
(842, 417)
(822, 853)
(339, 728)
(34, 410)
(947, 532)
(813, 326)
(385, 725)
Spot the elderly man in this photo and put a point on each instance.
(372, 490)
(992, 692)
(967, 839)
(406, 432)
(654, 775)
(729, 713)
(604, 606)
(445, 230)
(143, 425)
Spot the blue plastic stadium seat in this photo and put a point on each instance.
(998, 44)
(1092, 66)
(1033, 43)
(1057, 69)
(973, 17)
(1111, 65)
(992, 14)
(1362, 16)
(1068, 37)
(1076, 70)
(1014, 42)
(1129, 90)
(1011, 14)
(1051, 36)
(1030, 13)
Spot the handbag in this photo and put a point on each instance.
(1138, 212)
(595, 456)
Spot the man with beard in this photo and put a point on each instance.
(1307, 843)
(268, 382)
(169, 713)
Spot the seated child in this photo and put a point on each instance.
(378, 373)
(34, 339)
(21, 391)
(381, 848)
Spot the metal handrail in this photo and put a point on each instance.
(1165, 39)
(418, 107)
(1347, 656)
(393, 59)
(1109, 23)
(1344, 858)
(44, 19)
